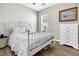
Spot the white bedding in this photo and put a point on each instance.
(19, 41)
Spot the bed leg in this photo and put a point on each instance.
(28, 43)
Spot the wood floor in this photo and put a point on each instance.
(54, 50)
(58, 50)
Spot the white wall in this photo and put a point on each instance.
(11, 13)
(53, 17)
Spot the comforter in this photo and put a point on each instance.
(19, 43)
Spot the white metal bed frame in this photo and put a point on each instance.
(38, 48)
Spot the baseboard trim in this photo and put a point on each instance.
(57, 40)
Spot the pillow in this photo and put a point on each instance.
(29, 28)
(19, 29)
(22, 27)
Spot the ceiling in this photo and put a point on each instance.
(38, 6)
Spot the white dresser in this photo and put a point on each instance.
(69, 34)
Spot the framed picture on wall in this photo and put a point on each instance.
(68, 14)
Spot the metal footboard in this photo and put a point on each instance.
(35, 41)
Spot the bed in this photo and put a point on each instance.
(25, 43)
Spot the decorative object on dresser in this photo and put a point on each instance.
(68, 14)
(3, 41)
(69, 35)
